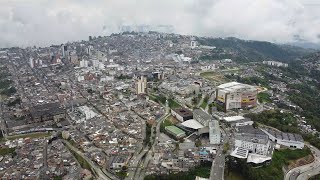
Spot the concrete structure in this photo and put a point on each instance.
(31, 62)
(275, 63)
(285, 139)
(193, 44)
(117, 162)
(235, 95)
(187, 145)
(254, 140)
(64, 49)
(214, 132)
(141, 85)
(47, 112)
(202, 117)
(236, 121)
(182, 114)
(176, 132)
(192, 124)
(84, 63)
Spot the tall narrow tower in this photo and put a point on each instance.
(167, 107)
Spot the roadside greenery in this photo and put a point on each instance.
(205, 102)
(165, 123)
(148, 135)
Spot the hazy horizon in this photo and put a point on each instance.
(45, 22)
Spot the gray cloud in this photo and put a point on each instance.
(45, 22)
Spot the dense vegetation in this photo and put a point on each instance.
(246, 51)
(5, 151)
(146, 141)
(308, 98)
(205, 102)
(283, 121)
(264, 98)
(14, 102)
(273, 171)
(202, 171)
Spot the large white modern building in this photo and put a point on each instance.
(234, 95)
(253, 140)
(285, 139)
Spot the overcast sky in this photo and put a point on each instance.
(46, 22)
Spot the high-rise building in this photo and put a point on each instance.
(89, 50)
(193, 44)
(31, 62)
(235, 95)
(141, 85)
(64, 49)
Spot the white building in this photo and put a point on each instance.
(234, 95)
(238, 121)
(214, 132)
(31, 62)
(84, 63)
(285, 139)
(89, 50)
(193, 44)
(253, 140)
(275, 63)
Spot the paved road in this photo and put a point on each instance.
(306, 171)
(136, 164)
(217, 168)
(140, 173)
(101, 174)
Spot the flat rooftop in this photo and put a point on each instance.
(234, 118)
(234, 86)
(183, 112)
(193, 124)
(174, 130)
(284, 136)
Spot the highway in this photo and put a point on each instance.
(306, 171)
(101, 174)
(142, 165)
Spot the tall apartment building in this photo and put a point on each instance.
(141, 85)
(236, 95)
(214, 132)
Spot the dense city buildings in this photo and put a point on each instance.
(139, 104)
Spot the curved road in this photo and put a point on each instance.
(306, 171)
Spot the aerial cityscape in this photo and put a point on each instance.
(146, 102)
